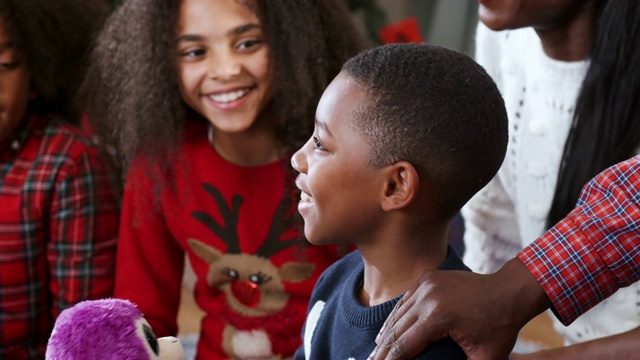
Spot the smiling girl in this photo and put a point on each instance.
(205, 101)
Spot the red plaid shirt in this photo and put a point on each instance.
(595, 250)
(58, 227)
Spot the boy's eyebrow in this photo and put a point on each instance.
(323, 125)
(235, 31)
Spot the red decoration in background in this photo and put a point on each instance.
(404, 31)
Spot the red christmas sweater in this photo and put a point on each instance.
(255, 272)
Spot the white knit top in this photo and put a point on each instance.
(511, 211)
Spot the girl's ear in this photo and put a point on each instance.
(401, 186)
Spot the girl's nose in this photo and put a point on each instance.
(224, 67)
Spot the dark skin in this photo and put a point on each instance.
(441, 300)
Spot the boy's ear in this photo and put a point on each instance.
(401, 186)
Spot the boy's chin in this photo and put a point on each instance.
(315, 240)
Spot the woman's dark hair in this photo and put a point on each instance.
(132, 85)
(606, 126)
(53, 38)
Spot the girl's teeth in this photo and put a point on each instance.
(305, 197)
(229, 97)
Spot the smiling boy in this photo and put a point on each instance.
(404, 136)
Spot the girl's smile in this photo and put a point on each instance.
(224, 72)
(230, 99)
(229, 96)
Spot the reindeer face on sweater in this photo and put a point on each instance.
(251, 284)
(256, 323)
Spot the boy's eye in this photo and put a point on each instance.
(319, 145)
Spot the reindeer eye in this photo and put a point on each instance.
(259, 278)
(232, 273)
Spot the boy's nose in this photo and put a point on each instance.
(298, 162)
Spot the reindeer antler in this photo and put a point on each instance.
(228, 233)
(272, 244)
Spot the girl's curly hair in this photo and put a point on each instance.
(132, 85)
(53, 37)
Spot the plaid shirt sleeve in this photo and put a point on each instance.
(83, 228)
(595, 250)
(58, 229)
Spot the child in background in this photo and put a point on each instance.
(205, 101)
(404, 136)
(58, 209)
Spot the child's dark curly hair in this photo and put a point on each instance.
(132, 86)
(53, 38)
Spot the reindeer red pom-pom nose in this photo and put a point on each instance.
(246, 292)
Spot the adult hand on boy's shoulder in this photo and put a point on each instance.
(482, 313)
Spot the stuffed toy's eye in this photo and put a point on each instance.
(151, 339)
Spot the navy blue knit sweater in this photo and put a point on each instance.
(338, 327)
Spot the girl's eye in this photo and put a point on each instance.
(193, 53)
(319, 145)
(246, 44)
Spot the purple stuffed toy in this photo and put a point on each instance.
(108, 329)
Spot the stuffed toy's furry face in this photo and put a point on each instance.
(108, 329)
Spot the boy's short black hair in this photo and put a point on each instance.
(437, 109)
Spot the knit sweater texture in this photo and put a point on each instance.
(339, 327)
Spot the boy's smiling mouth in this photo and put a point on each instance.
(304, 197)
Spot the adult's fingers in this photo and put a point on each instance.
(405, 333)
(397, 313)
